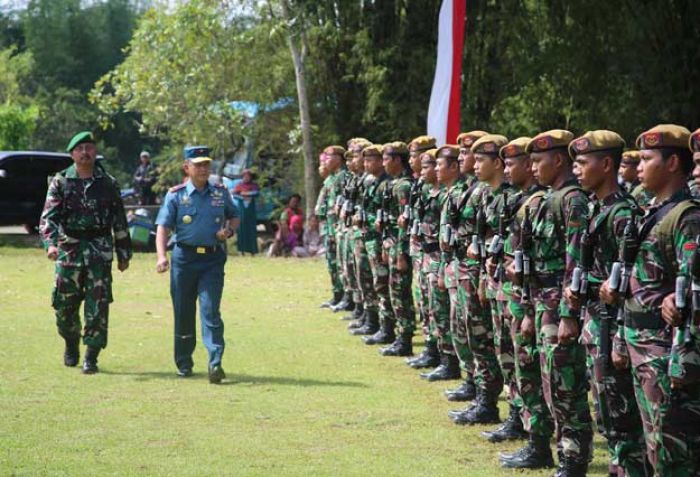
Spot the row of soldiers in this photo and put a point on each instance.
(540, 265)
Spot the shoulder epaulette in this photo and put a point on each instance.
(177, 187)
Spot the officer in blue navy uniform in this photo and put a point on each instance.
(202, 216)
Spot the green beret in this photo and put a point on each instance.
(694, 142)
(429, 156)
(548, 140)
(372, 150)
(631, 157)
(489, 144)
(594, 141)
(81, 137)
(360, 141)
(422, 143)
(664, 135)
(448, 150)
(396, 148)
(334, 150)
(466, 139)
(514, 148)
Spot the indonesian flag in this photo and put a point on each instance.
(443, 112)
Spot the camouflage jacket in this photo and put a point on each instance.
(80, 216)
(494, 201)
(372, 204)
(400, 198)
(334, 198)
(434, 202)
(321, 209)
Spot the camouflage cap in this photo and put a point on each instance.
(374, 150)
(631, 157)
(80, 138)
(489, 144)
(359, 141)
(594, 141)
(422, 143)
(664, 135)
(396, 148)
(467, 139)
(548, 140)
(197, 154)
(429, 156)
(694, 141)
(515, 148)
(448, 150)
(334, 150)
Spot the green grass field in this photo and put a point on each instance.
(303, 397)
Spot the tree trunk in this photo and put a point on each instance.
(298, 51)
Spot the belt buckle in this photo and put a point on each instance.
(201, 250)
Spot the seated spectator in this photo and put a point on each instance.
(313, 244)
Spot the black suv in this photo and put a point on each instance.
(23, 184)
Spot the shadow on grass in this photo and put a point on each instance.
(235, 379)
(20, 241)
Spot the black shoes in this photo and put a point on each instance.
(71, 355)
(482, 411)
(184, 372)
(429, 357)
(333, 301)
(385, 335)
(345, 304)
(356, 314)
(464, 392)
(90, 361)
(402, 346)
(370, 326)
(571, 467)
(510, 430)
(448, 369)
(216, 374)
(535, 455)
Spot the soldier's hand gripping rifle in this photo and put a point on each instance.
(521, 256)
(383, 212)
(479, 235)
(417, 208)
(496, 249)
(579, 277)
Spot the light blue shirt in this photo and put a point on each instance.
(195, 216)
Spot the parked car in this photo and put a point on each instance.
(23, 184)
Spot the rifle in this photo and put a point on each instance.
(383, 212)
(579, 278)
(417, 207)
(496, 249)
(351, 189)
(521, 257)
(479, 235)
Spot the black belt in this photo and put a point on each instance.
(430, 247)
(549, 281)
(199, 249)
(87, 234)
(646, 320)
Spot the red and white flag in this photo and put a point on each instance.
(443, 111)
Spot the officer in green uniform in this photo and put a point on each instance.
(83, 209)
(202, 217)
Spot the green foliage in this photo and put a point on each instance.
(16, 126)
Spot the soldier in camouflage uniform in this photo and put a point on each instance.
(396, 249)
(420, 195)
(597, 155)
(665, 367)
(558, 226)
(346, 265)
(374, 226)
(347, 233)
(536, 418)
(83, 208)
(321, 212)
(628, 177)
(333, 166)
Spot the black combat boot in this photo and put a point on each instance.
(385, 335)
(572, 466)
(356, 313)
(448, 369)
(535, 455)
(345, 304)
(429, 357)
(358, 323)
(482, 411)
(90, 362)
(510, 430)
(333, 301)
(402, 346)
(71, 355)
(370, 326)
(460, 414)
(464, 392)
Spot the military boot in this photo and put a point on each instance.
(572, 466)
(460, 414)
(402, 346)
(359, 322)
(484, 410)
(356, 313)
(448, 369)
(90, 362)
(535, 455)
(333, 301)
(71, 355)
(385, 335)
(429, 357)
(511, 429)
(345, 304)
(464, 392)
(370, 326)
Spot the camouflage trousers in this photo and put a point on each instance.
(421, 296)
(346, 262)
(332, 264)
(487, 372)
(458, 330)
(505, 352)
(380, 280)
(89, 283)
(439, 315)
(564, 380)
(400, 293)
(671, 417)
(612, 390)
(535, 414)
(363, 275)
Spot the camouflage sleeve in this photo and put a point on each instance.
(49, 224)
(403, 198)
(575, 221)
(320, 209)
(122, 239)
